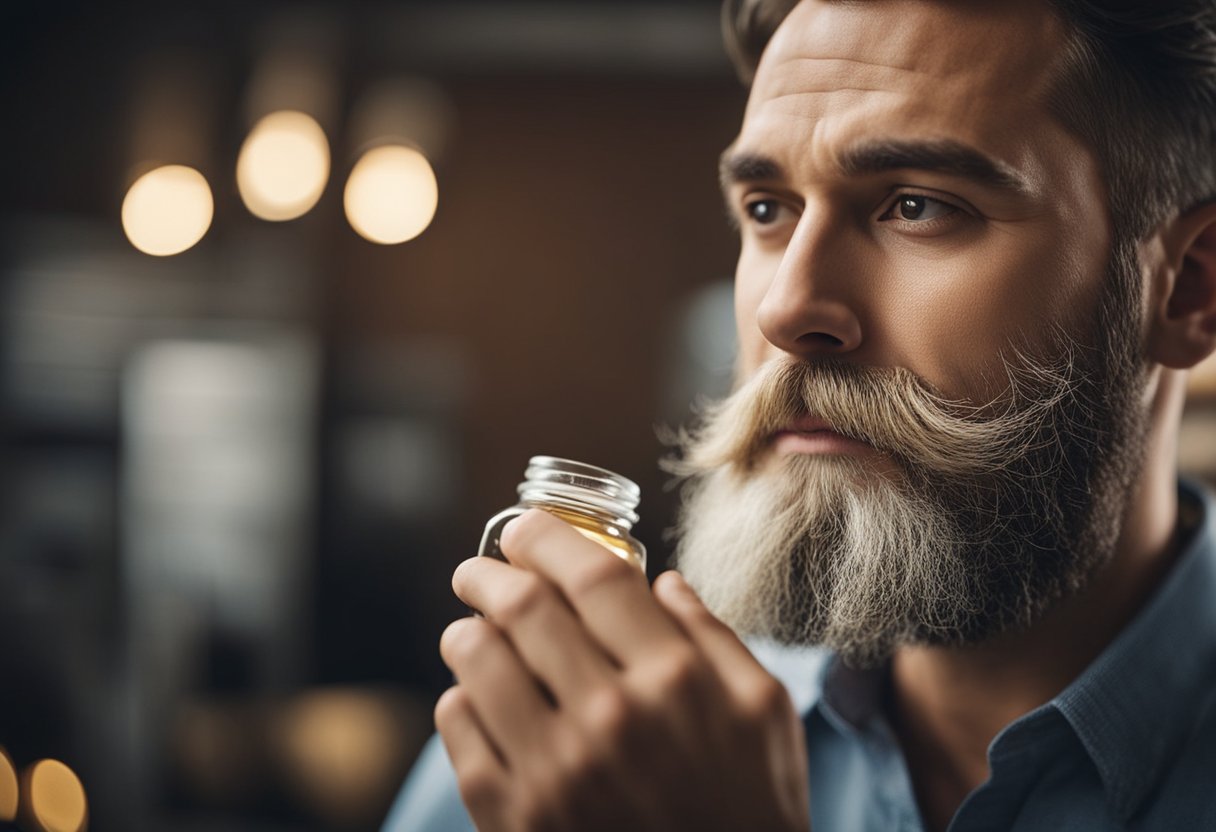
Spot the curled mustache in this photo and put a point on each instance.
(891, 409)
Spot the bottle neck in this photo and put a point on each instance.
(580, 489)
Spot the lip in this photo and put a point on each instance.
(808, 424)
(814, 436)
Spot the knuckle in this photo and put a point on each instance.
(522, 532)
(609, 715)
(452, 705)
(463, 640)
(765, 700)
(530, 594)
(593, 574)
(479, 786)
(679, 675)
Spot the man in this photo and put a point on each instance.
(978, 255)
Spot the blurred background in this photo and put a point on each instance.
(289, 293)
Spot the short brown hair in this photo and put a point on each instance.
(1140, 90)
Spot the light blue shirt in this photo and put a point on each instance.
(1129, 745)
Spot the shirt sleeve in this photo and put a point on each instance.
(429, 801)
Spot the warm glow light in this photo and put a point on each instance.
(283, 166)
(167, 210)
(57, 800)
(341, 750)
(8, 788)
(391, 194)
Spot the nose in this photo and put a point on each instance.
(809, 308)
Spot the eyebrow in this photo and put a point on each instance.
(939, 156)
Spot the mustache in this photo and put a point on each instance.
(891, 409)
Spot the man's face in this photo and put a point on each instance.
(855, 248)
(931, 432)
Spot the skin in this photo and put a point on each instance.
(586, 700)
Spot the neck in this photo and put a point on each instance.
(947, 704)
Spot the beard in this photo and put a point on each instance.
(969, 522)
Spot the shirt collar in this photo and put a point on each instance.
(1132, 707)
(799, 668)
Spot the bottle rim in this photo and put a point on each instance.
(548, 478)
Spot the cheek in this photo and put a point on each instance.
(751, 282)
(957, 319)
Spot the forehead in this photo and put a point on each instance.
(973, 71)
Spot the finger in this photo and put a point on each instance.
(609, 595)
(464, 737)
(505, 696)
(540, 624)
(747, 681)
(735, 663)
(481, 772)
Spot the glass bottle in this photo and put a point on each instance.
(599, 504)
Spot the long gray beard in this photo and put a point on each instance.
(990, 516)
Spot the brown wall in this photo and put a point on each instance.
(574, 216)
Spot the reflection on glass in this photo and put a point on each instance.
(167, 210)
(391, 194)
(283, 166)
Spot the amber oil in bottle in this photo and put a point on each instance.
(599, 504)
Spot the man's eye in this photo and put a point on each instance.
(762, 211)
(914, 208)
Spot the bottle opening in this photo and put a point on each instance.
(581, 486)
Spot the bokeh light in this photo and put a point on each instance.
(283, 166)
(391, 195)
(339, 749)
(56, 797)
(167, 210)
(8, 788)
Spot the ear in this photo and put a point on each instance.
(1182, 331)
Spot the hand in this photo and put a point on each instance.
(585, 702)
